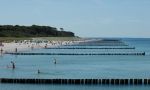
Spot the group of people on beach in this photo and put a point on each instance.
(23, 45)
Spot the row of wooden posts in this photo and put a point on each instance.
(78, 81)
(133, 53)
(92, 48)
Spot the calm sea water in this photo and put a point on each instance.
(79, 67)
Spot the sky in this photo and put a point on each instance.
(86, 18)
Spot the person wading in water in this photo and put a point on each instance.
(54, 61)
(13, 65)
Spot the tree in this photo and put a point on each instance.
(32, 31)
(61, 29)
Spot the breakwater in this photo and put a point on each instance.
(130, 53)
(102, 42)
(94, 48)
(97, 45)
(78, 81)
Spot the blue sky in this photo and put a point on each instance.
(87, 18)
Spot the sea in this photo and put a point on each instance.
(81, 66)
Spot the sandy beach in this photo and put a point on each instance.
(27, 45)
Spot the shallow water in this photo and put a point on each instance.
(79, 66)
(69, 87)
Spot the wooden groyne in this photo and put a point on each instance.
(78, 81)
(103, 43)
(96, 45)
(133, 53)
(93, 48)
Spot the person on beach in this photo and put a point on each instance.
(1, 50)
(45, 45)
(1, 44)
(16, 50)
(32, 47)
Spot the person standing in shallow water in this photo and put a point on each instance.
(54, 61)
(38, 71)
(13, 65)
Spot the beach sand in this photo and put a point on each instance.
(28, 45)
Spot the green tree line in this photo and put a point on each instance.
(33, 31)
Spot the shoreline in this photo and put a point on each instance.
(27, 45)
